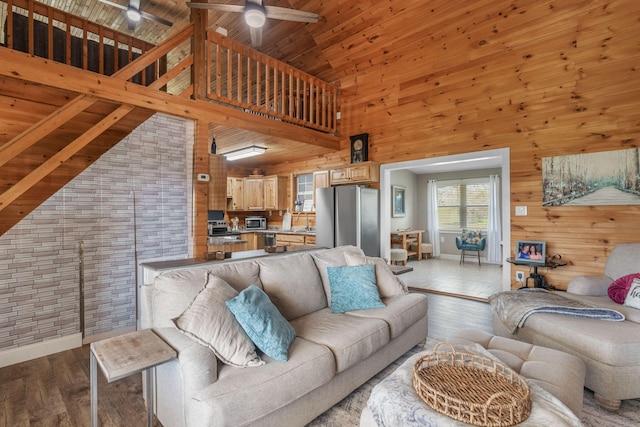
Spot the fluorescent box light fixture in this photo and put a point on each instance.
(243, 153)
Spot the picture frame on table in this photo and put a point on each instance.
(531, 252)
(398, 208)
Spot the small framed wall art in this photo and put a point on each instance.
(359, 147)
(398, 202)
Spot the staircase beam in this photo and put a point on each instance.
(61, 156)
(44, 127)
(19, 65)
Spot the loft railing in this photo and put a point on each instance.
(236, 75)
(246, 78)
(44, 31)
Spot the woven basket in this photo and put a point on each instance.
(470, 388)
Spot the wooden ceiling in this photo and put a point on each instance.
(291, 42)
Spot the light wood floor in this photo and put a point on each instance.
(54, 390)
(448, 277)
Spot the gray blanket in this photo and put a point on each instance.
(514, 307)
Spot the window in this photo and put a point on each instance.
(304, 187)
(463, 204)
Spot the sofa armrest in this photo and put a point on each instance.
(589, 285)
(198, 365)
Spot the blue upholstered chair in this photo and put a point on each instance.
(471, 240)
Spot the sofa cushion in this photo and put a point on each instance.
(333, 257)
(400, 313)
(262, 321)
(388, 283)
(293, 285)
(240, 275)
(624, 259)
(173, 293)
(353, 288)
(351, 339)
(208, 321)
(633, 297)
(630, 314)
(244, 396)
(614, 344)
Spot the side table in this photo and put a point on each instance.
(126, 355)
(538, 279)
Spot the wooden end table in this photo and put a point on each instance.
(126, 355)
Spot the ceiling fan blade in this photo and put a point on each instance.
(216, 6)
(155, 18)
(110, 3)
(256, 36)
(134, 4)
(275, 12)
(131, 24)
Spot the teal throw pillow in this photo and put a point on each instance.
(353, 288)
(262, 322)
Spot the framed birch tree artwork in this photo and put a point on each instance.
(594, 179)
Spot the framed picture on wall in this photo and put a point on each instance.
(398, 202)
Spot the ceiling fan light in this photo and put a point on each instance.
(254, 15)
(133, 14)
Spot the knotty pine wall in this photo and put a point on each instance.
(544, 78)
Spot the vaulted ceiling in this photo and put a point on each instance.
(302, 45)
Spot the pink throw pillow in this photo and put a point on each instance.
(619, 289)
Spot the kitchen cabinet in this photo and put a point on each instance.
(254, 194)
(252, 240)
(229, 247)
(320, 180)
(217, 182)
(310, 240)
(236, 201)
(268, 193)
(359, 173)
(290, 239)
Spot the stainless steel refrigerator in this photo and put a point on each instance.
(348, 215)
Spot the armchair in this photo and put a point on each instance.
(471, 240)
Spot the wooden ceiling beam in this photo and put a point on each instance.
(37, 70)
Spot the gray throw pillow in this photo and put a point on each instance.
(208, 321)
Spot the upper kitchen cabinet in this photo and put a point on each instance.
(254, 194)
(235, 194)
(320, 180)
(359, 173)
(267, 193)
(275, 192)
(217, 182)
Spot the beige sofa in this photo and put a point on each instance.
(331, 356)
(610, 350)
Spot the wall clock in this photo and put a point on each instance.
(359, 147)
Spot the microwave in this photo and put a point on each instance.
(255, 223)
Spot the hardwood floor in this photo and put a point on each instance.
(54, 390)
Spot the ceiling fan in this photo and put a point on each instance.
(256, 13)
(134, 14)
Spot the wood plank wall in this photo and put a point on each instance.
(544, 78)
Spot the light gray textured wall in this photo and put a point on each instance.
(132, 204)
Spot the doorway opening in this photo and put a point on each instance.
(498, 158)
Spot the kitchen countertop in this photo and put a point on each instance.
(162, 266)
(312, 232)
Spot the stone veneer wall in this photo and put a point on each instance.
(133, 204)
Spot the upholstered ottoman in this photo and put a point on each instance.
(558, 373)
(561, 374)
(398, 255)
(426, 249)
